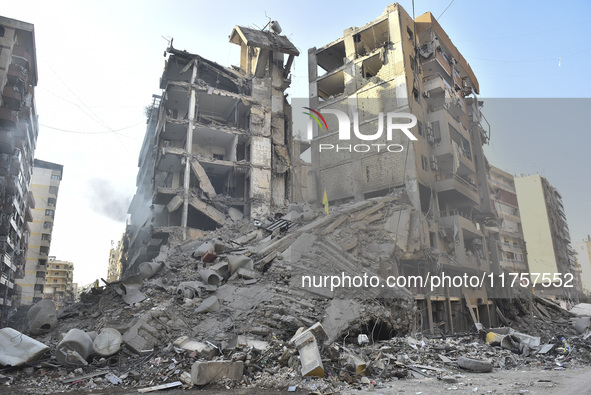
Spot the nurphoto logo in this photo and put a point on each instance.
(345, 130)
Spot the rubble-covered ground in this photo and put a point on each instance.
(235, 295)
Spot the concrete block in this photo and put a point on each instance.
(203, 350)
(257, 345)
(135, 341)
(309, 354)
(317, 330)
(248, 274)
(358, 364)
(206, 372)
(209, 304)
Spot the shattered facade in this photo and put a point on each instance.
(18, 137)
(218, 144)
(547, 236)
(397, 64)
(59, 282)
(45, 183)
(507, 231)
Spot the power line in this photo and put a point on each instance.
(452, 1)
(102, 132)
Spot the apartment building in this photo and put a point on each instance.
(59, 282)
(547, 237)
(395, 64)
(508, 231)
(18, 136)
(45, 183)
(583, 250)
(218, 142)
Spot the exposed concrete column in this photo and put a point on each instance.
(189, 150)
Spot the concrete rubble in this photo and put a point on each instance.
(229, 309)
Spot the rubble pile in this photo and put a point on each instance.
(230, 308)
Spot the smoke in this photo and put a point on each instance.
(106, 200)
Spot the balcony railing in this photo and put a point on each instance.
(454, 176)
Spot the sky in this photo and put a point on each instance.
(100, 62)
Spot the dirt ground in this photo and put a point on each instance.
(506, 382)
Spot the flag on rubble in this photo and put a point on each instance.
(325, 202)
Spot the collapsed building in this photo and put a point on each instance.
(397, 64)
(218, 142)
(18, 137)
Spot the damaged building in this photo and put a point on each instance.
(397, 64)
(508, 230)
(18, 137)
(218, 144)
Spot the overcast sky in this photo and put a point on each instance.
(100, 62)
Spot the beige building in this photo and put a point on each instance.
(59, 282)
(583, 250)
(547, 236)
(218, 143)
(507, 232)
(44, 186)
(395, 64)
(18, 137)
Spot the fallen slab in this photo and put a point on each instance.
(205, 372)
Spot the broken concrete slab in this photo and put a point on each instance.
(582, 310)
(174, 204)
(247, 274)
(207, 210)
(210, 304)
(237, 261)
(17, 348)
(203, 350)
(309, 354)
(357, 364)
(203, 179)
(317, 330)
(257, 345)
(582, 324)
(206, 372)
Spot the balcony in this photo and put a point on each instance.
(437, 64)
(452, 187)
(435, 86)
(163, 195)
(6, 140)
(12, 98)
(461, 220)
(16, 73)
(170, 159)
(21, 56)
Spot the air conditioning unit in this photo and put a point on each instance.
(471, 181)
(433, 159)
(426, 94)
(431, 139)
(434, 166)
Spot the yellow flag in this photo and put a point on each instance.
(325, 202)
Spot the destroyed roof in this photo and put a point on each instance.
(263, 39)
(188, 55)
